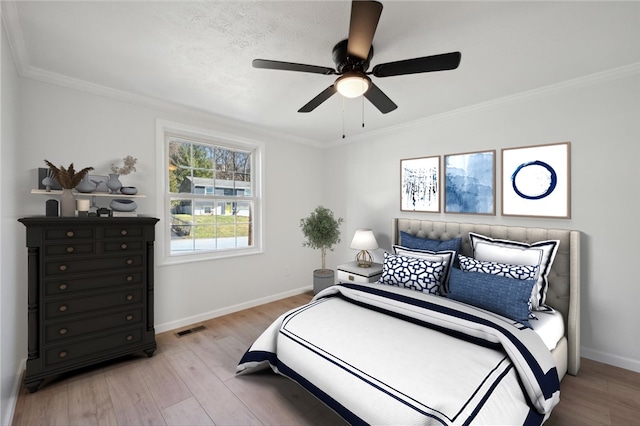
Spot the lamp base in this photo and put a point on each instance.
(364, 259)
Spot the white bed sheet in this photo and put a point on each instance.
(549, 326)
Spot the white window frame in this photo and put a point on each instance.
(166, 129)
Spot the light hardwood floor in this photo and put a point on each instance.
(191, 381)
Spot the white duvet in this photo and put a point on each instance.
(383, 355)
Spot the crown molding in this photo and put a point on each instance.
(11, 22)
(550, 90)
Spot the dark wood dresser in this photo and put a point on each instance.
(90, 291)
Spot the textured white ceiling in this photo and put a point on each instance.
(198, 54)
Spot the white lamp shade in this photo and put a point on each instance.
(352, 85)
(364, 240)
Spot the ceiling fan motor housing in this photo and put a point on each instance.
(345, 63)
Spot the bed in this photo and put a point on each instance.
(388, 354)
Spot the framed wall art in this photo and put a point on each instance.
(469, 185)
(420, 184)
(536, 181)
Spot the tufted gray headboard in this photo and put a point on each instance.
(564, 278)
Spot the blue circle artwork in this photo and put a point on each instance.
(536, 180)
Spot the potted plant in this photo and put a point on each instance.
(322, 231)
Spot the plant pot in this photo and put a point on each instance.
(322, 278)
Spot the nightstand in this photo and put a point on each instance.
(352, 273)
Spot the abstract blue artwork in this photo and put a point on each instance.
(535, 181)
(470, 183)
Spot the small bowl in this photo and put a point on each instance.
(120, 205)
(129, 190)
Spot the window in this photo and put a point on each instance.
(211, 195)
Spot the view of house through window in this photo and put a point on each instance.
(211, 196)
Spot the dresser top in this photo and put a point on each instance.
(89, 220)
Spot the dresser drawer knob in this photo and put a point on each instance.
(70, 234)
(123, 246)
(63, 286)
(129, 278)
(129, 261)
(129, 317)
(129, 296)
(63, 331)
(63, 354)
(70, 249)
(63, 267)
(63, 308)
(123, 232)
(129, 337)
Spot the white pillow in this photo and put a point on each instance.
(541, 253)
(446, 256)
(412, 273)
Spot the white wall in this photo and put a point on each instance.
(601, 119)
(64, 126)
(13, 300)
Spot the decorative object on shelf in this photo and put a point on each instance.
(420, 184)
(87, 185)
(83, 205)
(322, 231)
(536, 181)
(67, 203)
(44, 172)
(469, 185)
(129, 190)
(129, 165)
(364, 240)
(114, 183)
(121, 205)
(51, 209)
(68, 179)
(48, 181)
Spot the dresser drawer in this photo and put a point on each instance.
(122, 246)
(123, 231)
(100, 346)
(73, 266)
(78, 305)
(91, 282)
(70, 329)
(69, 233)
(70, 248)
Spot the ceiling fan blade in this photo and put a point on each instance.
(315, 102)
(443, 62)
(364, 21)
(379, 99)
(290, 66)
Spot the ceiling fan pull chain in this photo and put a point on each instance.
(343, 136)
(362, 111)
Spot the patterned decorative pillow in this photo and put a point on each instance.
(411, 241)
(541, 253)
(446, 256)
(412, 273)
(504, 296)
(518, 272)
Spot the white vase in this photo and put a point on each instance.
(67, 203)
(114, 183)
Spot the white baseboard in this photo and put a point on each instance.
(173, 325)
(615, 360)
(7, 417)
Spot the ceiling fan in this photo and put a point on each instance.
(352, 58)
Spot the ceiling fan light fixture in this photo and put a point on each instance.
(352, 85)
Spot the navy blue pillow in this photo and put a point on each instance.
(411, 241)
(502, 295)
